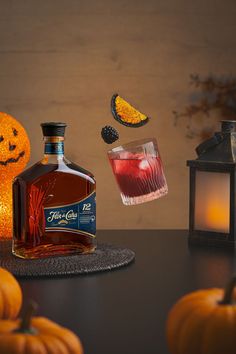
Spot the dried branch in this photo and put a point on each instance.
(214, 93)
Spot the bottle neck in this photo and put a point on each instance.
(54, 147)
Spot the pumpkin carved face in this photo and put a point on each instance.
(14, 146)
(14, 155)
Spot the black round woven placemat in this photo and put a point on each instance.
(106, 257)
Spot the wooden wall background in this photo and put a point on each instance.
(63, 59)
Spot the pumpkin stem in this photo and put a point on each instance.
(227, 299)
(25, 325)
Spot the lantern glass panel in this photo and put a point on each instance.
(212, 201)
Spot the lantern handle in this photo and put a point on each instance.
(210, 143)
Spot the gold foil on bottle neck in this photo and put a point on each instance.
(53, 139)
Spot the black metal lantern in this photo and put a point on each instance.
(212, 214)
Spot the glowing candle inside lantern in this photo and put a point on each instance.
(212, 201)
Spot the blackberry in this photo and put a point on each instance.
(109, 134)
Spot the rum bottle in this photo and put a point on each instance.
(54, 203)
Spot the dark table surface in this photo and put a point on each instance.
(124, 311)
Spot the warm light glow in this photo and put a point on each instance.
(14, 155)
(217, 215)
(212, 201)
(5, 209)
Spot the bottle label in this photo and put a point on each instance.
(77, 217)
(54, 148)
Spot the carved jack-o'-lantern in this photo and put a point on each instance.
(14, 155)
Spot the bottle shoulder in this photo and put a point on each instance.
(71, 168)
(64, 167)
(74, 167)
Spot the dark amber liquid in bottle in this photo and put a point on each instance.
(49, 185)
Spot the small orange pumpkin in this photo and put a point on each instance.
(204, 322)
(10, 295)
(37, 335)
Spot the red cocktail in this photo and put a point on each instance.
(138, 169)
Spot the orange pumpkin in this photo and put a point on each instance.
(10, 296)
(204, 322)
(37, 335)
(14, 155)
